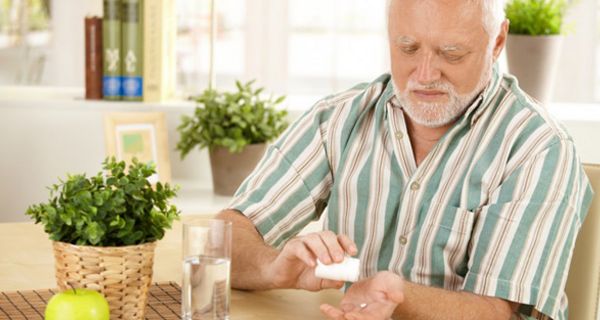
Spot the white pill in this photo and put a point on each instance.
(347, 270)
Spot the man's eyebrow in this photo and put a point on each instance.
(405, 40)
(452, 47)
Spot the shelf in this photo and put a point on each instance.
(199, 200)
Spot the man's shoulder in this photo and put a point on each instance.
(359, 96)
(536, 113)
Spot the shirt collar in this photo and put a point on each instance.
(487, 95)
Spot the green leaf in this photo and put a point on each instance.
(113, 207)
(231, 120)
(536, 17)
(94, 233)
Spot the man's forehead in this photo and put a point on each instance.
(435, 26)
(445, 43)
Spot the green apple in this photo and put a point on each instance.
(77, 304)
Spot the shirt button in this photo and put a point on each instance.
(399, 135)
(415, 186)
(403, 240)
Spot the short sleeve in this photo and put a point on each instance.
(291, 184)
(523, 239)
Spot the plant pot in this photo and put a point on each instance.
(230, 169)
(534, 61)
(122, 274)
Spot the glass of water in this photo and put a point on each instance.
(206, 269)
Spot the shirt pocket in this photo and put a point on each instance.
(458, 220)
(452, 240)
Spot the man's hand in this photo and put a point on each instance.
(373, 299)
(294, 266)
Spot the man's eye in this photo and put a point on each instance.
(409, 50)
(453, 57)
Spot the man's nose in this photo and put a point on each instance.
(427, 71)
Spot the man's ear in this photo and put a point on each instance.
(501, 39)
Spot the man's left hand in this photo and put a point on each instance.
(374, 298)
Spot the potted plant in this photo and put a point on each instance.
(235, 127)
(104, 230)
(534, 43)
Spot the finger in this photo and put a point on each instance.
(332, 312)
(354, 316)
(316, 245)
(333, 245)
(347, 307)
(372, 311)
(299, 250)
(331, 284)
(348, 245)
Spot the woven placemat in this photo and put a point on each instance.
(164, 303)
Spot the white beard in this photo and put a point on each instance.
(434, 115)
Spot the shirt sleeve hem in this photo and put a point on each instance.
(500, 288)
(260, 227)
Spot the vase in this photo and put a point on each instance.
(230, 169)
(533, 60)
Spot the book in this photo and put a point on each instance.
(111, 38)
(93, 57)
(132, 50)
(159, 49)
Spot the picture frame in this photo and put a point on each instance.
(142, 135)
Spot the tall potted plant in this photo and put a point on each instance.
(104, 230)
(235, 127)
(534, 43)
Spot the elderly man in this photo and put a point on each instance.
(459, 194)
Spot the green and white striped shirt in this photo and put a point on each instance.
(493, 209)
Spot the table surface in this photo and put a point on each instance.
(27, 263)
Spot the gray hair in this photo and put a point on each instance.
(493, 15)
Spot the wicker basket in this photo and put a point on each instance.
(122, 274)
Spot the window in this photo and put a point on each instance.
(317, 47)
(597, 44)
(294, 47)
(308, 47)
(24, 37)
(578, 74)
(24, 22)
(193, 30)
(335, 44)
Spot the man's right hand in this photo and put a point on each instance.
(294, 266)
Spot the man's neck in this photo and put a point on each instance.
(424, 138)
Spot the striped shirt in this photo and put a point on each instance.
(493, 209)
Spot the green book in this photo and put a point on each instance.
(133, 47)
(111, 38)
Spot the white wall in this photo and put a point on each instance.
(576, 74)
(46, 135)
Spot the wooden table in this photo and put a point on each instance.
(27, 263)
